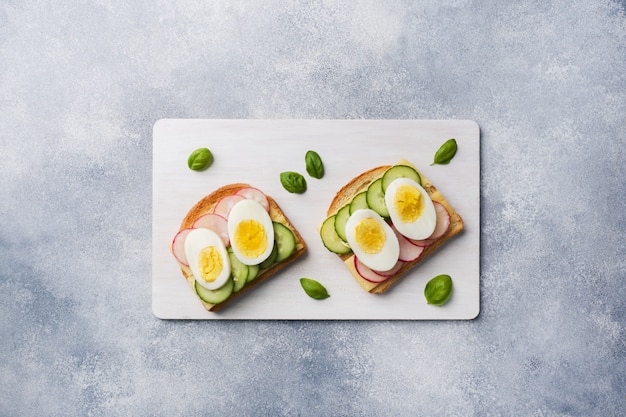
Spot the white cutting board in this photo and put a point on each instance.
(256, 152)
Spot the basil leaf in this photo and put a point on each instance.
(200, 159)
(293, 182)
(314, 289)
(314, 165)
(446, 152)
(438, 290)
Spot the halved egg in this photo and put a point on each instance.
(250, 231)
(411, 210)
(207, 258)
(372, 240)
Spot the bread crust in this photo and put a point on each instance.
(359, 184)
(206, 205)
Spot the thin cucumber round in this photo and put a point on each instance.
(359, 202)
(400, 171)
(215, 296)
(331, 239)
(271, 259)
(285, 241)
(253, 272)
(376, 198)
(238, 270)
(341, 218)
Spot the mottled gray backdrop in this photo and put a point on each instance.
(81, 84)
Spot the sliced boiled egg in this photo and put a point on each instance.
(250, 231)
(372, 240)
(411, 210)
(208, 259)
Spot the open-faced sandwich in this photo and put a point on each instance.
(385, 221)
(232, 240)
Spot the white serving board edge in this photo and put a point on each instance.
(256, 151)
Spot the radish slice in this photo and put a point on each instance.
(408, 251)
(421, 243)
(370, 275)
(255, 194)
(443, 221)
(223, 206)
(213, 222)
(178, 246)
(392, 271)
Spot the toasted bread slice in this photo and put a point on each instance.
(206, 205)
(359, 184)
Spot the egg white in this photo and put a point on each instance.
(196, 241)
(250, 210)
(387, 257)
(425, 224)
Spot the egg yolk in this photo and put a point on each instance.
(408, 203)
(250, 238)
(369, 235)
(210, 263)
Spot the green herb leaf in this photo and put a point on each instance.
(314, 289)
(438, 290)
(446, 152)
(200, 159)
(314, 165)
(293, 182)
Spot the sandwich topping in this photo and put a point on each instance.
(208, 260)
(372, 240)
(369, 235)
(411, 210)
(250, 231)
(407, 202)
(227, 248)
(250, 238)
(211, 263)
(389, 224)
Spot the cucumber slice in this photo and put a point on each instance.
(400, 171)
(358, 202)
(238, 270)
(341, 218)
(253, 272)
(331, 239)
(285, 241)
(271, 259)
(215, 296)
(376, 198)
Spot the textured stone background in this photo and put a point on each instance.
(81, 84)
